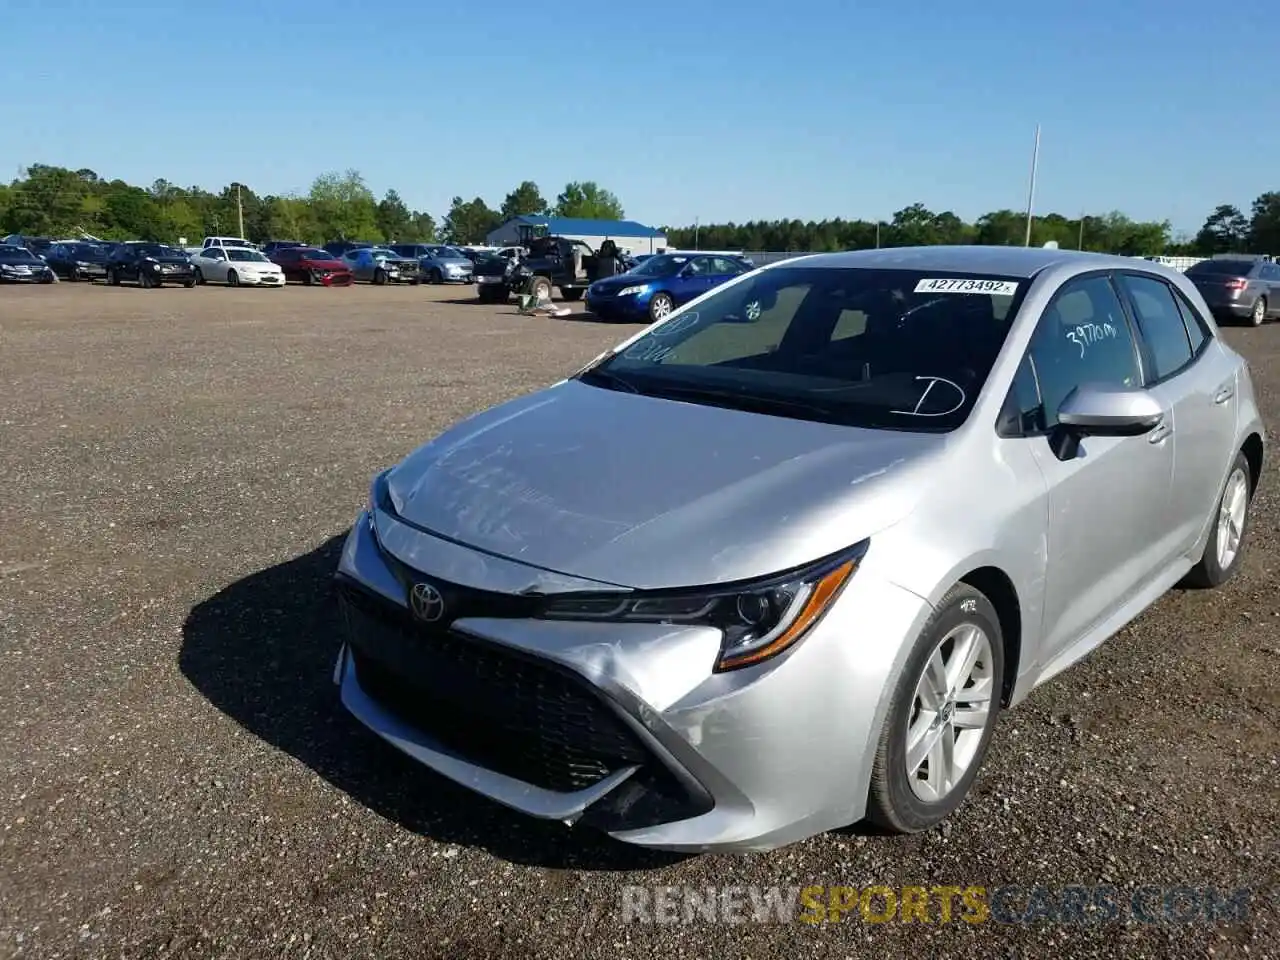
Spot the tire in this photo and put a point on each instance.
(897, 801)
(199, 277)
(436, 276)
(1230, 519)
(537, 287)
(309, 279)
(189, 283)
(1258, 315)
(113, 277)
(380, 277)
(144, 279)
(233, 279)
(570, 294)
(660, 306)
(72, 276)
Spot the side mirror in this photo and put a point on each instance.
(1092, 410)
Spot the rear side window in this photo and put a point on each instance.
(1197, 329)
(1161, 324)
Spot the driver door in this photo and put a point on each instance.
(693, 280)
(1108, 529)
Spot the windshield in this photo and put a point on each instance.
(890, 349)
(14, 254)
(382, 252)
(661, 266)
(155, 250)
(314, 253)
(447, 253)
(251, 255)
(1231, 268)
(84, 250)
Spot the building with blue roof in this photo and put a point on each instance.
(627, 234)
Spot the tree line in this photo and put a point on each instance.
(57, 201)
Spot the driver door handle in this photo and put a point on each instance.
(1160, 431)
(1225, 393)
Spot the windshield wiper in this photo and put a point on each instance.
(607, 378)
(755, 403)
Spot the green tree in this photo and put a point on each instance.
(1264, 226)
(1224, 231)
(589, 201)
(525, 199)
(469, 221)
(344, 207)
(393, 217)
(422, 228)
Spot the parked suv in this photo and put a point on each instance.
(1239, 286)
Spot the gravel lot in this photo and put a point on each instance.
(178, 468)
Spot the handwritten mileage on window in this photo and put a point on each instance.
(1085, 335)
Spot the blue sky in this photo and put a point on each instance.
(737, 110)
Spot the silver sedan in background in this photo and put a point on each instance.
(775, 564)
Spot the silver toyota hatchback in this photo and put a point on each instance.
(773, 565)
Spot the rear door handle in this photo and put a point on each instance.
(1159, 431)
(1225, 393)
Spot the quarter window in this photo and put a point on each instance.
(1161, 324)
(1083, 338)
(1197, 329)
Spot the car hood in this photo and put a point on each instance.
(621, 282)
(323, 264)
(649, 493)
(167, 259)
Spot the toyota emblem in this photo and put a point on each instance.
(427, 603)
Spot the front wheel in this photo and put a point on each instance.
(436, 276)
(189, 283)
(113, 277)
(380, 277)
(660, 307)
(941, 717)
(233, 279)
(1225, 546)
(1259, 312)
(198, 276)
(144, 279)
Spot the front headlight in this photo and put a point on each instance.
(83, 264)
(757, 620)
(631, 291)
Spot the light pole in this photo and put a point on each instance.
(239, 211)
(1031, 190)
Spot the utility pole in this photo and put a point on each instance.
(1080, 242)
(877, 234)
(239, 212)
(1031, 190)
(695, 233)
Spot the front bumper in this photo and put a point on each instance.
(630, 308)
(43, 275)
(624, 727)
(262, 279)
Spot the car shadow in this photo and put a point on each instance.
(262, 651)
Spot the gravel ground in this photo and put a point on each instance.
(177, 470)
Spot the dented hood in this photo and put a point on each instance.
(649, 493)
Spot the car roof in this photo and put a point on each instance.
(997, 260)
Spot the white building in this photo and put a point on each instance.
(629, 236)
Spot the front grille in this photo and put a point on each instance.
(512, 713)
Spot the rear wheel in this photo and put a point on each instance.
(540, 288)
(1259, 312)
(941, 717)
(1225, 546)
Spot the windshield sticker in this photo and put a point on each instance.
(929, 388)
(1087, 334)
(673, 326)
(996, 288)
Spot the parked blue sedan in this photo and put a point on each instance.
(652, 290)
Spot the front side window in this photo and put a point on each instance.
(1082, 338)
(1161, 324)
(888, 349)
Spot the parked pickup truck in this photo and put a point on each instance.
(553, 263)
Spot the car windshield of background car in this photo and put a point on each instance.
(889, 349)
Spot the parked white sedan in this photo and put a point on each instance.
(235, 266)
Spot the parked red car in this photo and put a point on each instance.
(312, 265)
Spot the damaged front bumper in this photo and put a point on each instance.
(621, 726)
